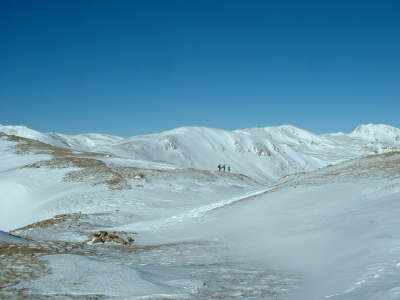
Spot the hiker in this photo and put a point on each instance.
(229, 169)
(223, 168)
(219, 168)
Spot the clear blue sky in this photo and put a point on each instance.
(135, 67)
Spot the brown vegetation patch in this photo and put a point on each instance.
(384, 165)
(29, 146)
(17, 266)
(143, 248)
(384, 155)
(67, 162)
(52, 221)
(101, 174)
(7, 249)
(22, 262)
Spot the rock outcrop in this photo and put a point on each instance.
(109, 237)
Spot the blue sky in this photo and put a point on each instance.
(136, 67)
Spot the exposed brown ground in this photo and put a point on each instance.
(29, 146)
(52, 221)
(22, 261)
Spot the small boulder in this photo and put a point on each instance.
(109, 237)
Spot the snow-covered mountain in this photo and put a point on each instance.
(264, 153)
(186, 233)
(377, 133)
(79, 141)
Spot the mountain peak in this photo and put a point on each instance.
(377, 132)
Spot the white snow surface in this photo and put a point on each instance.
(342, 237)
(377, 132)
(95, 276)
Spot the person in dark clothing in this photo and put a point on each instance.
(229, 168)
(223, 168)
(219, 167)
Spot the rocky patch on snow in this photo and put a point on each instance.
(110, 237)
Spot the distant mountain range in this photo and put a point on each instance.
(267, 153)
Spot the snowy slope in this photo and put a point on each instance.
(81, 142)
(9, 238)
(263, 153)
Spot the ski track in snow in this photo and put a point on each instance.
(191, 214)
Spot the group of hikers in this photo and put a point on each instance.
(224, 168)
